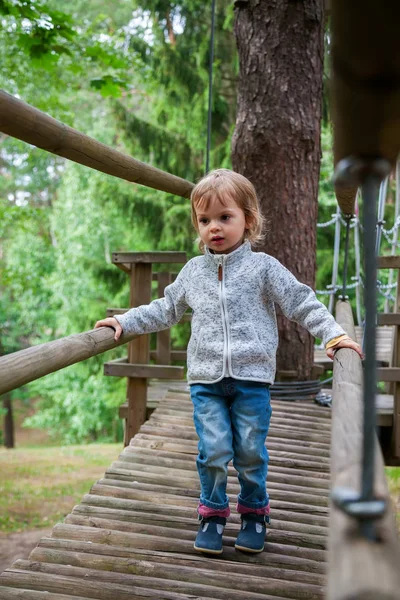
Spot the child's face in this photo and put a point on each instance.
(221, 226)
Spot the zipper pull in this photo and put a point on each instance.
(219, 272)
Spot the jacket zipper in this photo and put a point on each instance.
(224, 317)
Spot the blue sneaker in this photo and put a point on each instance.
(251, 536)
(209, 536)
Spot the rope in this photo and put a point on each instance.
(210, 86)
(381, 213)
(336, 249)
(394, 229)
(358, 262)
(346, 257)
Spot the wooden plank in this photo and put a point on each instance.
(26, 123)
(389, 319)
(139, 524)
(358, 569)
(144, 586)
(388, 374)
(10, 593)
(161, 475)
(388, 262)
(121, 369)
(191, 560)
(174, 543)
(177, 572)
(129, 258)
(143, 488)
(144, 502)
(172, 446)
(188, 517)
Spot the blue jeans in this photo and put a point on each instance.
(232, 420)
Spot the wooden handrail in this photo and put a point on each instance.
(357, 568)
(26, 123)
(19, 368)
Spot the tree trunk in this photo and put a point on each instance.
(276, 143)
(8, 422)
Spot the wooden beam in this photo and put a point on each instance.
(389, 319)
(26, 123)
(123, 267)
(180, 355)
(148, 257)
(388, 262)
(357, 568)
(138, 352)
(388, 374)
(21, 367)
(120, 369)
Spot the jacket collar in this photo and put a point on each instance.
(232, 258)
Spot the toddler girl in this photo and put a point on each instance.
(231, 353)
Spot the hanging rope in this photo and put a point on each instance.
(381, 213)
(348, 219)
(210, 86)
(358, 260)
(395, 229)
(336, 250)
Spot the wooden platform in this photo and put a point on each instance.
(132, 535)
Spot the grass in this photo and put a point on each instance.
(40, 486)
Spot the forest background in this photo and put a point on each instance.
(133, 75)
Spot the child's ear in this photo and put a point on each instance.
(249, 220)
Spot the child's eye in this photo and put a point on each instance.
(226, 217)
(203, 221)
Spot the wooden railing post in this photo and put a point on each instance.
(136, 368)
(138, 352)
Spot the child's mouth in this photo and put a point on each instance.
(217, 240)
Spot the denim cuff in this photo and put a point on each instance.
(214, 505)
(253, 505)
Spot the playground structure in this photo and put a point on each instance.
(128, 538)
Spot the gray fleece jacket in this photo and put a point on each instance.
(234, 329)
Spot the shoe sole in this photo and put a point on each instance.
(250, 550)
(205, 551)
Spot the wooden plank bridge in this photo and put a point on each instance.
(132, 535)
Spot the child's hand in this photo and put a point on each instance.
(345, 343)
(111, 322)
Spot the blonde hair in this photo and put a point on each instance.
(218, 185)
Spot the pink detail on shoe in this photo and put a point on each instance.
(244, 510)
(206, 511)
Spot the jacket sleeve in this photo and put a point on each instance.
(299, 303)
(161, 313)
